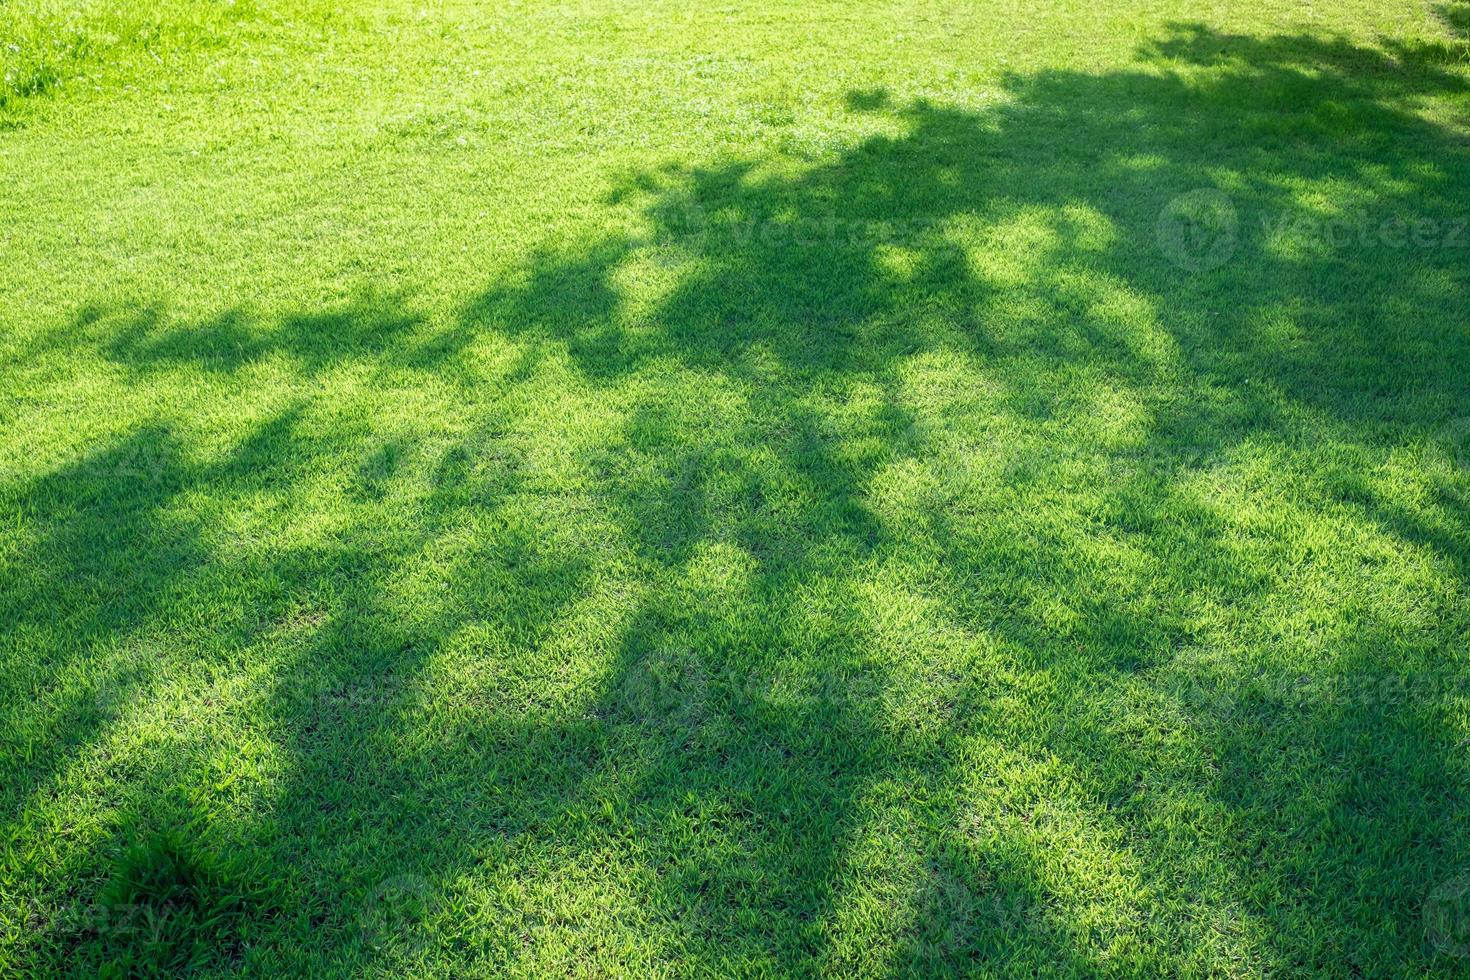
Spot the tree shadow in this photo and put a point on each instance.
(946, 558)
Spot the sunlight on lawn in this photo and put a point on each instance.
(1028, 533)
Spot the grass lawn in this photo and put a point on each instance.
(756, 488)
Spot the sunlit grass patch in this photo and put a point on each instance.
(637, 490)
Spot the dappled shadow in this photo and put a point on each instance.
(929, 530)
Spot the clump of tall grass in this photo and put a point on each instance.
(44, 43)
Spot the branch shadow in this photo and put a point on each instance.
(784, 636)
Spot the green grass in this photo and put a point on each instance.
(45, 44)
(747, 488)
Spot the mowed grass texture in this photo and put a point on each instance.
(758, 489)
